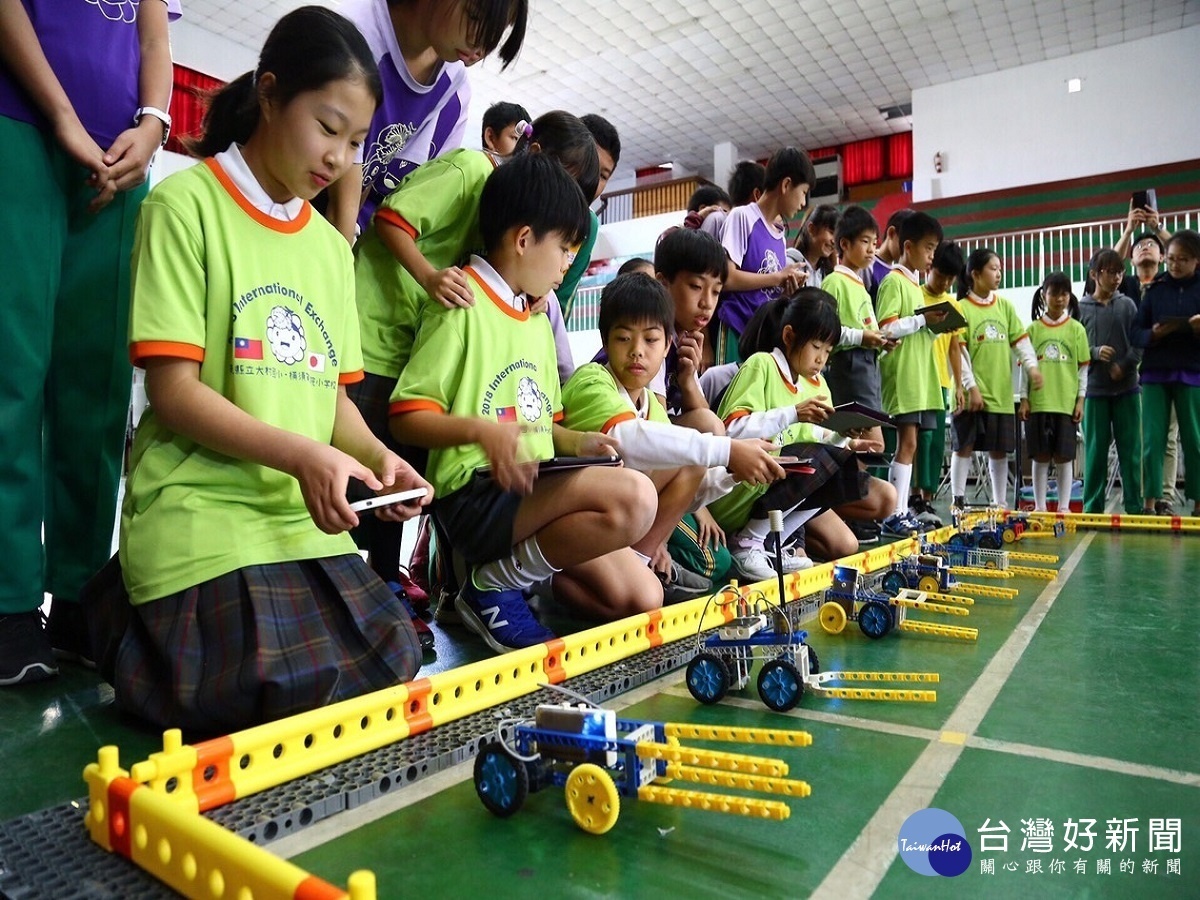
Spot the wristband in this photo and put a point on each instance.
(159, 114)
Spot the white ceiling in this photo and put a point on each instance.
(678, 76)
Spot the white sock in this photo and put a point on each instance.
(795, 518)
(1041, 478)
(526, 567)
(960, 468)
(1066, 478)
(998, 470)
(752, 534)
(900, 475)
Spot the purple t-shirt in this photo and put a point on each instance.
(415, 122)
(93, 49)
(753, 246)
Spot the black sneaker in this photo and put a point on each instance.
(67, 634)
(1163, 508)
(25, 654)
(865, 532)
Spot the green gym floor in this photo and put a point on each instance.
(1080, 700)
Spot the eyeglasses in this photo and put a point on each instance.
(1146, 243)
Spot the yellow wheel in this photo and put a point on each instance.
(991, 564)
(592, 798)
(1009, 536)
(928, 584)
(1036, 525)
(833, 617)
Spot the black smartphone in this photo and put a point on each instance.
(1143, 199)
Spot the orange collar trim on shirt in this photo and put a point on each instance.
(784, 375)
(519, 315)
(280, 225)
(908, 273)
(1051, 324)
(981, 301)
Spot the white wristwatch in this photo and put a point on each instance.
(161, 115)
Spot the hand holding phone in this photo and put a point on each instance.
(387, 499)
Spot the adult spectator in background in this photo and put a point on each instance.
(504, 125)
(815, 248)
(608, 148)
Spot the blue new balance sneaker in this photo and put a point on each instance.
(502, 618)
(901, 525)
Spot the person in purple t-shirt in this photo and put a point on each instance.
(423, 49)
(84, 90)
(757, 249)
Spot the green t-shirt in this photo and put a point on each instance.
(853, 301)
(267, 309)
(992, 331)
(438, 205)
(909, 373)
(593, 401)
(1061, 349)
(761, 385)
(487, 361)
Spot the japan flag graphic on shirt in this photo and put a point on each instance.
(316, 362)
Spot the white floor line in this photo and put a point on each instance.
(862, 867)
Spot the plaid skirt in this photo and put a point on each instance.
(837, 480)
(251, 646)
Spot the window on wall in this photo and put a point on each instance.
(188, 102)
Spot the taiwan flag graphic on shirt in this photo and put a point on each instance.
(506, 414)
(244, 348)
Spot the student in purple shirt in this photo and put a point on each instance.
(84, 90)
(423, 49)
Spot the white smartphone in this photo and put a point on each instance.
(387, 499)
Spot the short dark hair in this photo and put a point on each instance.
(948, 259)
(605, 134)
(689, 250)
(747, 177)
(854, 223)
(633, 264)
(707, 195)
(503, 113)
(812, 313)
(789, 162)
(896, 219)
(1188, 240)
(535, 190)
(917, 227)
(636, 297)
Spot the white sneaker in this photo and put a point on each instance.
(795, 562)
(754, 563)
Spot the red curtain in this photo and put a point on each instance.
(900, 155)
(188, 102)
(862, 161)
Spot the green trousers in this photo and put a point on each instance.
(931, 452)
(713, 562)
(1105, 420)
(1157, 402)
(64, 397)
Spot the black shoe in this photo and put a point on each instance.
(67, 634)
(25, 654)
(866, 532)
(1163, 508)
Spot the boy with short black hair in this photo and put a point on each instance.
(1112, 409)
(704, 202)
(912, 392)
(482, 390)
(757, 247)
(502, 127)
(887, 253)
(608, 149)
(615, 397)
(1052, 410)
